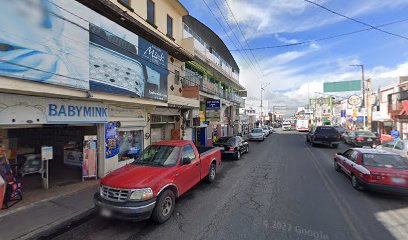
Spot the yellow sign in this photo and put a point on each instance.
(355, 112)
(202, 116)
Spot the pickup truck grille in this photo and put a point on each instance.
(114, 194)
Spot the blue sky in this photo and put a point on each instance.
(294, 73)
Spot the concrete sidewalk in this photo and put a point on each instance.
(46, 217)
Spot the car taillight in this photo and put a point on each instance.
(359, 138)
(232, 149)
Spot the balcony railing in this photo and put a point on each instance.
(211, 88)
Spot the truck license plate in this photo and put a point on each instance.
(106, 213)
(370, 140)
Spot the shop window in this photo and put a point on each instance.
(131, 144)
(150, 12)
(169, 26)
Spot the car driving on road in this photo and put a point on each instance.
(232, 146)
(324, 135)
(257, 134)
(374, 169)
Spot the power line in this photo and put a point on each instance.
(223, 28)
(242, 33)
(229, 26)
(321, 39)
(355, 20)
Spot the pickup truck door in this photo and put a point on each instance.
(188, 175)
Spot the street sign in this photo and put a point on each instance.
(354, 100)
(343, 86)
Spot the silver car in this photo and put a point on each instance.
(266, 130)
(396, 146)
(257, 134)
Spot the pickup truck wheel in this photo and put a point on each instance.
(164, 207)
(211, 173)
(335, 145)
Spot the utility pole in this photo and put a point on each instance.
(262, 89)
(363, 102)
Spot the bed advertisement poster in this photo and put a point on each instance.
(67, 44)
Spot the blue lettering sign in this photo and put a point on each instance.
(62, 111)
(71, 111)
(52, 110)
(78, 110)
(87, 112)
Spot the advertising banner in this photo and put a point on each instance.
(131, 113)
(111, 139)
(213, 110)
(40, 42)
(65, 43)
(21, 109)
(89, 168)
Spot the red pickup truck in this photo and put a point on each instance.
(148, 187)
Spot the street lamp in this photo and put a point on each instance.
(363, 91)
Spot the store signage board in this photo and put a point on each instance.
(354, 100)
(343, 86)
(47, 153)
(134, 113)
(21, 109)
(213, 110)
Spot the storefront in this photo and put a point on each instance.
(126, 135)
(67, 128)
(165, 124)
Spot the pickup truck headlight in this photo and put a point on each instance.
(141, 194)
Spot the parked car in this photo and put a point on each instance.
(270, 129)
(266, 130)
(396, 146)
(374, 169)
(257, 134)
(232, 146)
(324, 135)
(361, 139)
(148, 187)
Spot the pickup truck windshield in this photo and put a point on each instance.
(156, 155)
(385, 161)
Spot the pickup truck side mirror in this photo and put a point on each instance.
(186, 161)
(340, 154)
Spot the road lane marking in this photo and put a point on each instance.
(328, 184)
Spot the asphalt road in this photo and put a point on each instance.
(282, 189)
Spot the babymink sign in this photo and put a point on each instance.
(20, 109)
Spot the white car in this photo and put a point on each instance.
(266, 130)
(396, 146)
(286, 126)
(257, 134)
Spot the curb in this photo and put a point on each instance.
(57, 228)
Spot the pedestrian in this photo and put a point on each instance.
(395, 133)
(214, 138)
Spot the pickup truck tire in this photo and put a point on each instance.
(164, 207)
(212, 172)
(335, 145)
